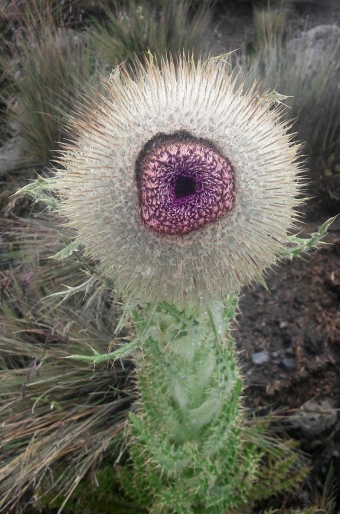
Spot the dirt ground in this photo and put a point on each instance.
(289, 336)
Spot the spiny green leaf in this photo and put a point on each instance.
(70, 291)
(122, 352)
(67, 251)
(39, 191)
(300, 245)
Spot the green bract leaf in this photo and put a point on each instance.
(121, 353)
(300, 245)
(40, 191)
(70, 291)
(69, 249)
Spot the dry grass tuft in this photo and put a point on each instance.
(270, 24)
(60, 418)
(48, 67)
(312, 93)
(168, 27)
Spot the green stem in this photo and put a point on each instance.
(185, 442)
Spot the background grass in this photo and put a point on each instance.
(307, 76)
(54, 409)
(133, 28)
(47, 67)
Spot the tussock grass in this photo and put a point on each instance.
(134, 28)
(270, 24)
(48, 69)
(70, 12)
(48, 66)
(306, 71)
(60, 418)
(313, 94)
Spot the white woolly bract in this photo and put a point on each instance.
(99, 196)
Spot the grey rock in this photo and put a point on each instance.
(315, 417)
(284, 324)
(259, 358)
(316, 48)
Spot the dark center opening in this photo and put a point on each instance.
(184, 186)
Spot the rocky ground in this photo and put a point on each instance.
(289, 336)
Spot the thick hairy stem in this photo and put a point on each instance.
(185, 440)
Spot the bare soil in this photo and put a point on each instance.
(293, 328)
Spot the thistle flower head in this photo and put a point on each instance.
(179, 184)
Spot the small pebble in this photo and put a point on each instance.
(288, 364)
(284, 324)
(259, 357)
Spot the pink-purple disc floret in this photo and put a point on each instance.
(184, 183)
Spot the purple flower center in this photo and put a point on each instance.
(184, 183)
